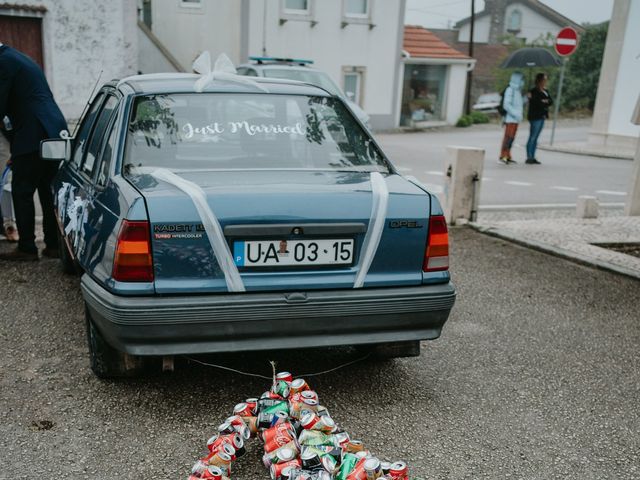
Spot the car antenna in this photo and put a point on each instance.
(88, 103)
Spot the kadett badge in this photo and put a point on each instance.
(167, 231)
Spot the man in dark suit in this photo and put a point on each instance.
(25, 97)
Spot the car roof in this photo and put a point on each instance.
(280, 66)
(185, 83)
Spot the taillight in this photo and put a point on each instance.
(436, 256)
(133, 261)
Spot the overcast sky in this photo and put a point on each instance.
(443, 13)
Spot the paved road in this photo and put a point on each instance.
(537, 376)
(560, 179)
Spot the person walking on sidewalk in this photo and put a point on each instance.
(539, 103)
(25, 97)
(512, 103)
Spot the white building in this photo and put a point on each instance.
(74, 41)
(434, 79)
(357, 42)
(619, 86)
(528, 20)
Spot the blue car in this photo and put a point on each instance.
(244, 214)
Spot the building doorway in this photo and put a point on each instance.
(24, 34)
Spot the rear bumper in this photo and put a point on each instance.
(171, 325)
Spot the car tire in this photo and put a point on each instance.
(66, 259)
(384, 351)
(105, 361)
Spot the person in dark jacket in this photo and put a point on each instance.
(539, 103)
(26, 99)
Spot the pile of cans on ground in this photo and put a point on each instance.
(300, 439)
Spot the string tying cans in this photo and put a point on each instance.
(300, 439)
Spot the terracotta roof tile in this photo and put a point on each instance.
(422, 43)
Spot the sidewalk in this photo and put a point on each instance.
(560, 233)
(586, 148)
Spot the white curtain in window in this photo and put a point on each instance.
(356, 7)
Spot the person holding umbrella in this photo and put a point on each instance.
(513, 106)
(539, 103)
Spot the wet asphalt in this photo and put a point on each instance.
(536, 376)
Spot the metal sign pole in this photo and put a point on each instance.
(558, 99)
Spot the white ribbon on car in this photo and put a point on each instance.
(379, 201)
(223, 69)
(211, 226)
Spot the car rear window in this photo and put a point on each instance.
(208, 131)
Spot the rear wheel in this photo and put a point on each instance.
(106, 361)
(66, 260)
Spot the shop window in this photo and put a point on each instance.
(423, 93)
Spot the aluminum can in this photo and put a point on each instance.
(322, 411)
(264, 420)
(252, 425)
(238, 444)
(253, 404)
(237, 422)
(215, 443)
(281, 470)
(386, 467)
(308, 420)
(325, 424)
(265, 403)
(372, 468)
(243, 409)
(271, 431)
(272, 457)
(212, 472)
(309, 394)
(270, 395)
(281, 406)
(398, 471)
(354, 446)
(279, 417)
(281, 388)
(199, 467)
(226, 428)
(310, 459)
(330, 464)
(220, 459)
(298, 385)
(285, 376)
(278, 436)
(349, 461)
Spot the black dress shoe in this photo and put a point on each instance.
(50, 252)
(19, 256)
(532, 161)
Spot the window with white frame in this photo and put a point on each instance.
(356, 8)
(297, 7)
(191, 3)
(515, 21)
(353, 82)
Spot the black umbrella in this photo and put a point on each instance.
(531, 57)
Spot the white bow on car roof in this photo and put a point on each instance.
(223, 69)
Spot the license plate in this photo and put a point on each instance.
(283, 253)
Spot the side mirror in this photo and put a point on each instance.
(54, 149)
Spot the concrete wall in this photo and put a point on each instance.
(618, 88)
(80, 38)
(188, 29)
(456, 88)
(152, 55)
(533, 25)
(323, 39)
(480, 30)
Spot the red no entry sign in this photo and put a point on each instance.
(566, 41)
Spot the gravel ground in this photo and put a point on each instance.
(537, 376)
